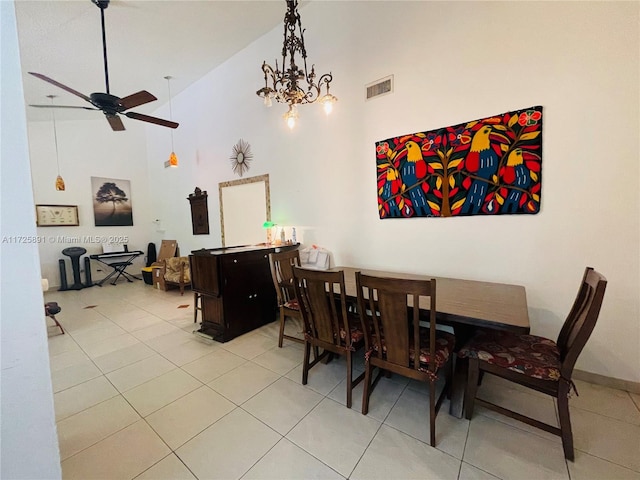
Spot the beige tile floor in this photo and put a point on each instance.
(137, 395)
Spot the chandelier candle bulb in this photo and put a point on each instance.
(291, 116)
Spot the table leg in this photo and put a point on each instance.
(463, 334)
(456, 404)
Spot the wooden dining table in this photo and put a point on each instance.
(466, 306)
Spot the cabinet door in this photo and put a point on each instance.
(248, 288)
(238, 271)
(265, 293)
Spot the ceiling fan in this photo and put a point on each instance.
(109, 104)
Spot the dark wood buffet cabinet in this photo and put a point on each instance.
(237, 293)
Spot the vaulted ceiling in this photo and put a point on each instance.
(146, 41)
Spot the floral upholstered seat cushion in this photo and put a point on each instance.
(173, 270)
(530, 355)
(292, 304)
(445, 342)
(356, 334)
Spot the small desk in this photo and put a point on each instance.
(465, 305)
(118, 266)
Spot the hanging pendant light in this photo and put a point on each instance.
(173, 158)
(59, 180)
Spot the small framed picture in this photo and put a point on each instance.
(57, 216)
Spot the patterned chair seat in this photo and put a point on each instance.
(356, 334)
(445, 342)
(292, 304)
(537, 357)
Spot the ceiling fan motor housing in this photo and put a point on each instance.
(101, 3)
(109, 104)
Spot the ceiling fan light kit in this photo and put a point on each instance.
(288, 85)
(111, 105)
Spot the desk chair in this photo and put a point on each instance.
(281, 264)
(323, 304)
(537, 362)
(394, 337)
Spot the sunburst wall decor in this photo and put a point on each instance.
(241, 157)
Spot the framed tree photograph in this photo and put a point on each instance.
(111, 202)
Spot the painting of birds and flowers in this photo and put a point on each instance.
(482, 167)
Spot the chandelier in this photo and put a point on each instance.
(294, 85)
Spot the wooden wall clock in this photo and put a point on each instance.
(199, 212)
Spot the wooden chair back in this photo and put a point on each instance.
(323, 304)
(581, 320)
(385, 306)
(281, 264)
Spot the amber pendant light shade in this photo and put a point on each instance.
(173, 158)
(59, 184)
(59, 179)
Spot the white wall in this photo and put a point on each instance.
(29, 444)
(88, 149)
(452, 62)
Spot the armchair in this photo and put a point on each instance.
(174, 271)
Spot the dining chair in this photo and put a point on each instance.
(281, 264)
(327, 322)
(396, 342)
(537, 362)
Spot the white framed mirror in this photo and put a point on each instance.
(245, 205)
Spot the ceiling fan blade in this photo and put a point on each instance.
(147, 118)
(139, 98)
(59, 85)
(115, 122)
(62, 106)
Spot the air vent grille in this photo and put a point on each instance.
(380, 87)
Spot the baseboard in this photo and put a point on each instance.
(627, 385)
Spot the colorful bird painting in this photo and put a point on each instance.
(412, 171)
(482, 161)
(389, 189)
(488, 166)
(516, 173)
